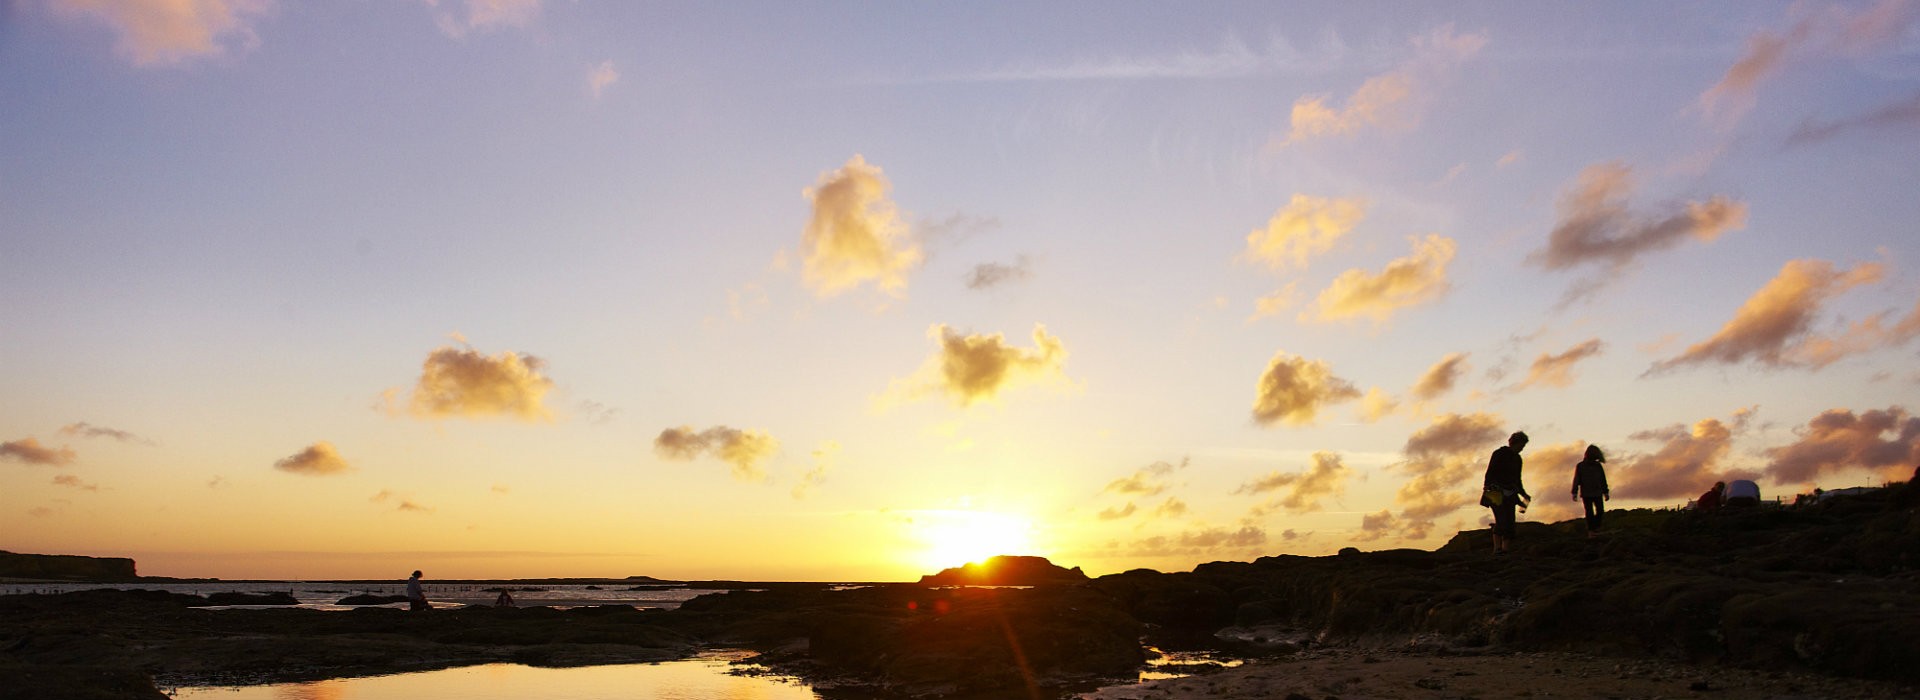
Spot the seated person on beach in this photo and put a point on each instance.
(416, 598)
(505, 600)
(1710, 501)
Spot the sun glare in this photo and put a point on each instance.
(950, 538)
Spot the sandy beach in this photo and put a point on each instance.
(1352, 674)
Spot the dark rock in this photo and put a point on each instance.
(65, 567)
(236, 598)
(1006, 571)
(370, 599)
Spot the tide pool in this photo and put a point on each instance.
(706, 677)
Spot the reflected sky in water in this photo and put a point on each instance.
(695, 679)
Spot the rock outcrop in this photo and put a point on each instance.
(1006, 571)
(66, 567)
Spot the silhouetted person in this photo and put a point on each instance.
(1590, 486)
(416, 598)
(505, 600)
(1503, 490)
(1710, 501)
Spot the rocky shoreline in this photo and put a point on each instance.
(1768, 597)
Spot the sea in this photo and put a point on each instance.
(713, 675)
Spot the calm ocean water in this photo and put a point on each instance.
(703, 678)
(321, 595)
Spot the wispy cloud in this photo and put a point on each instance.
(1899, 116)
(855, 235)
(318, 459)
(990, 275)
(1293, 390)
(1391, 101)
(71, 481)
(1149, 480)
(1440, 378)
(92, 431)
(460, 382)
(1819, 29)
(169, 32)
(482, 15)
(1885, 442)
(824, 460)
(402, 503)
(30, 451)
(1557, 370)
(972, 368)
(1596, 228)
(1405, 282)
(1233, 58)
(601, 77)
(1775, 326)
(743, 450)
(1302, 491)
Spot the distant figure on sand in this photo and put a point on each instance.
(1710, 501)
(1503, 490)
(1590, 486)
(505, 600)
(416, 598)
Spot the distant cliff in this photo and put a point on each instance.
(64, 567)
(1006, 571)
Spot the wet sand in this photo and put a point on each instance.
(1349, 674)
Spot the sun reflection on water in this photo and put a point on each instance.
(703, 678)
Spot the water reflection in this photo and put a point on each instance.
(704, 678)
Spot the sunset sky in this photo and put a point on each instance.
(856, 291)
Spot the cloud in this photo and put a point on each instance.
(1374, 526)
(1510, 158)
(1819, 30)
(1596, 227)
(168, 32)
(1149, 480)
(401, 503)
(1902, 114)
(319, 459)
(1117, 513)
(1293, 390)
(1376, 405)
(969, 369)
(957, 227)
(1303, 491)
(218, 482)
(601, 77)
(824, 459)
(501, 489)
(598, 413)
(989, 275)
(1391, 101)
(1557, 370)
(1170, 508)
(1232, 59)
(855, 235)
(1410, 281)
(1202, 541)
(463, 383)
(744, 450)
(484, 15)
(72, 481)
(1686, 463)
(29, 451)
(92, 431)
(1280, 300)
(1305, 227)
(1440, 378)
(1775, 326)
(1886, 442)
(1441, 459)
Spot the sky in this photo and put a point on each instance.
(859, 291)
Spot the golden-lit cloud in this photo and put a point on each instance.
(1557, 370)
(1301, 492)
(482, 15)
(1116, 513)
(1817, 30)
(1305, 227)
(30, 451)
(1410, 281)
(1293, 390)
(71, 481)
(1280, 300)
(743, 450)
(971, 368)
(89, 430)
(1775, 326)
(1376, 405)
(463, 383)
(401, 503)
(1596, 227)
(1391, 101)
(1150, 480)
(1441, 459)
(855, 235)
(1170, 508)
(165, 32)
(1440, 378)
(1884, 442)
(990, 275)
(319, 459)
(601, 77)
(1374, 526)
(1687, 462)
(824, 459)
(1204, 540)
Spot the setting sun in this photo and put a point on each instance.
(950, 538)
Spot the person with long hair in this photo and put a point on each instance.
(1590, 486)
